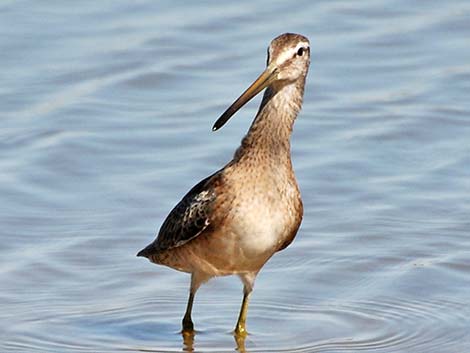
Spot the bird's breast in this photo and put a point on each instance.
(264, 213)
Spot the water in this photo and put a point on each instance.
(106, 110)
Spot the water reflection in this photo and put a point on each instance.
(240, 342)
(189, 339)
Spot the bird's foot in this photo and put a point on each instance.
(240, 331)
(188, 327)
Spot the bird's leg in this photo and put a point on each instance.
(248, 280)
(188, 326)
(240, 329)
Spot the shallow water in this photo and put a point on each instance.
(106, 110)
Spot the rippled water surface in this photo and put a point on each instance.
(106, 110)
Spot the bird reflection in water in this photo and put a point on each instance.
(188, 342)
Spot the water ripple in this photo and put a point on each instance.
(106, 115)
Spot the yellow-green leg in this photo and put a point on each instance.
(240, 328)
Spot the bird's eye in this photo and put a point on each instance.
(300, 52)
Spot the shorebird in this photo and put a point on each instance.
(233, 221)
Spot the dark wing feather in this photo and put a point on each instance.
(189, 218)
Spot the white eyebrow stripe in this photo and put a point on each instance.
(301, 44)
(290, 53)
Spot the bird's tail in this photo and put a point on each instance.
(147, 251)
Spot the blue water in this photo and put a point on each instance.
(106, 114)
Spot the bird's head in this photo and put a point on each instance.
(288, 61)
(288, 58)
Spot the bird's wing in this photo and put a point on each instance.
(191, 216)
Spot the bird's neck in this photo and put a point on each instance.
(270, 132)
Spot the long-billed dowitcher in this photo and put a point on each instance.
(233, 221)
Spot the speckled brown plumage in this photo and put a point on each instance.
(233, 221)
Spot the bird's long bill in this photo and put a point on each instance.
(256, 87)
